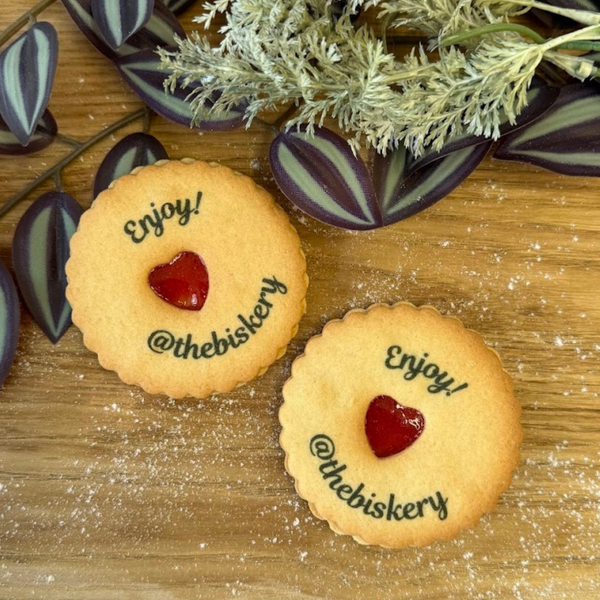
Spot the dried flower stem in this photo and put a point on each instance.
(278, 53)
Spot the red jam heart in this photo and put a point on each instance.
(183, 282)
(391, 427)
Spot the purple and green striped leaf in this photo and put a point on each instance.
(402, 194)
(135, 150)
(40, 252)
(43, 135)
(143, 73)
(9, 321)
(566, 139)
(590, 5)
(160, 30)
(559, 22)
(540, 98)
(27, 69)
(179, 6)
(118, 20)
(322, 177)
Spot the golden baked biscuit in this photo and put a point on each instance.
(186, 278)
(400, 427)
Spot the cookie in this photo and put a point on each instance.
(399, 426)
(186, 278)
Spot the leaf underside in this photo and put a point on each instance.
(135, 150)
(43, 135)
(9, 321)
(40, 253)
(566, 139)
(143, 73)
(27, 69)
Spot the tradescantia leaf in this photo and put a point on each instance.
(43, 135)
(135, 150)
(160, 30)
(322, 177)
(551, 19)
(562, 22)
(566, 139)
(402, 194)
(540, 98)
(9, 321)
(591, 5)
(118, 20)
(27, 70)
(179, 6)
(40, 252)
(143, 73)
(81, 13)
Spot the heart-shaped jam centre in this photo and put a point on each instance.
(391, 427)
(183, 282)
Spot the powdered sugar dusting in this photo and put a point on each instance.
(104, 488)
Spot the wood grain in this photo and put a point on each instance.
(109, 493)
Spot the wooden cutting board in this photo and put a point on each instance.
(109, 493)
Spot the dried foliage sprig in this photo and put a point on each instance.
(443, 17)
(278, 51)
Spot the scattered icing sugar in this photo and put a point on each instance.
(155, 492)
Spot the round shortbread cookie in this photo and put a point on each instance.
(186, 278)
(399, 426)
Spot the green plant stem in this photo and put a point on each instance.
(586, 46)
(68, 140)
(459, 38)
(69, 158)
(58, 182)
(17, 25)
(147, 121)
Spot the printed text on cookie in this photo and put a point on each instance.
(412, 366)
(154, 221)
(162, 341)
(355, 496)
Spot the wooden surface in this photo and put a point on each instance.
(109, 493)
